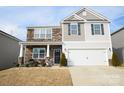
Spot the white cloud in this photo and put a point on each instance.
(13, 30)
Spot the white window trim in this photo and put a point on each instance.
(100, 29)
(39, 54)
(46, 34)
(39, 32)
(70, 28)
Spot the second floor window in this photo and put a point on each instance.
(97, 29)
(43, 33)
(74, 29)
(48, 33)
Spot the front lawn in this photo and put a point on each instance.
(35, 76)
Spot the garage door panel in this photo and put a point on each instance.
(87, 57)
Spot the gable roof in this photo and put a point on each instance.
(90, 11)
(96, 14)
(117, 31)
(75, 17)
(9, 36)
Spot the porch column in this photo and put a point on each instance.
(48, 50)
(20, 58)
(21, 51)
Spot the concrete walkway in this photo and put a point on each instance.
(97, 75)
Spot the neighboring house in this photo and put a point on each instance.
(84, 37)
(9, 50)
(118, 43)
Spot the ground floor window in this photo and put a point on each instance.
(38, 53)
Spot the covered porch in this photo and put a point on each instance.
(40, 51)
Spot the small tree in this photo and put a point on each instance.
(63, 60)
(115, 60)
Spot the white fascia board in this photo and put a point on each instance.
(97, 22)
(78, 17)
(40, 43)
(21, 43)
(92, 22)
(87, 42)
(97, 14)
(95, 48)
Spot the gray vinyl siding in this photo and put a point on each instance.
(9, 51)
(88, 16)
(68, 37)
(118, 44)
(118, 39)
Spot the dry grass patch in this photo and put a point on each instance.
(35, 76)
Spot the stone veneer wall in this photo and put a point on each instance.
(28, 52)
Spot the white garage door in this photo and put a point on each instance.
(87, 57)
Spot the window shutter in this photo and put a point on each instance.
(92, 29)
(102, 29)
(69, 29)
(79, 29)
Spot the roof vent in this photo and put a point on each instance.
(84, 13)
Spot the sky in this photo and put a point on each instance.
(14, 20)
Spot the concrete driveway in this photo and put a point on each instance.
(97, 75)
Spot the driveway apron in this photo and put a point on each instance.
(97, 75)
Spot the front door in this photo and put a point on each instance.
(57, 53)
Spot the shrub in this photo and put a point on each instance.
(115, 60)
(17, 65)
(43, 64)
(63, 60)
(31, 63)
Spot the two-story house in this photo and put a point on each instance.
(84, 37)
